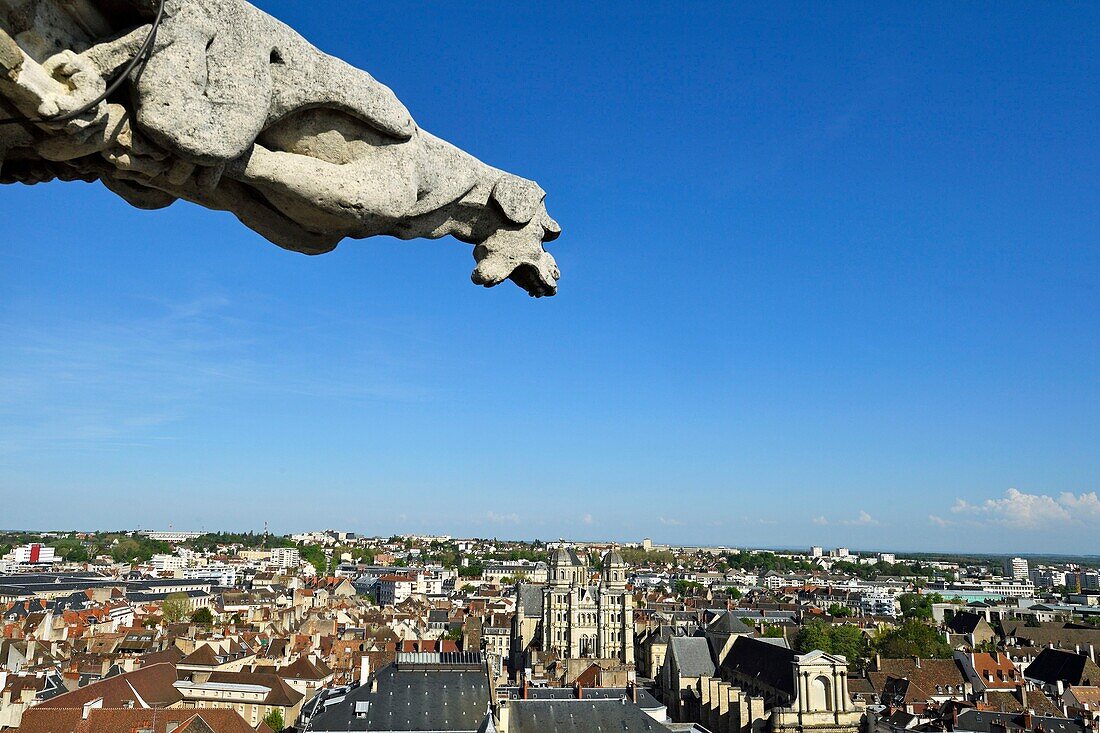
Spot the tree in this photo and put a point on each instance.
(71, 549)
(813, 635)
(843, 639)
(773, 631)
(687, 587)
(203, 616)
(473, 570)
(838, 610)
(175, 608)
(913, 638)
(849, 642)
(315, 556)
(274, 720)
(918, 605)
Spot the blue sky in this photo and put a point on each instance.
(830, 276)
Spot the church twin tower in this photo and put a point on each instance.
(584, 620)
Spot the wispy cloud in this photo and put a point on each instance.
(863, 519)
(495, 518)
(126, 380)
(670, 521)
(1020, 510)
(587, 519)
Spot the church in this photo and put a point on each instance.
(570, 617)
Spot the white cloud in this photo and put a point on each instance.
(938, 521)
(863, 519)
(1020, 510)
(587, 519)
(1084, 506)
(495, 518)
(669, 521)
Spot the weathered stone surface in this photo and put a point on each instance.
(235, 111)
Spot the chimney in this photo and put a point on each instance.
(523, 688)
(1028, 720)
(364, 670)
(580, 690)
(634, 692)
(1092, 653)
(1023, 695)
(916, 660)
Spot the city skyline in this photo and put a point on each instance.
(623, 541)
(829, 276)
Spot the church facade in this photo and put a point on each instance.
(572, 617)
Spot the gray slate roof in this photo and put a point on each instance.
(727, 623)
(690, 655)
(977, 721)
(768, 663)
(411, 700)
(530, 600)
(645, 701)
(580, 716)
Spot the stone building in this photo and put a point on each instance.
(757, 685)
(573, 618)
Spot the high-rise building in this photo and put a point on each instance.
(287, 558)
(1017, 568)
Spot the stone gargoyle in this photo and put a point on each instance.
(233, 110)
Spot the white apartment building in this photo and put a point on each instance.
(286, 558)
(1016, 568)
(163, 563)
(992, 588)
(878, 604)
(223, 575)
(1050, 578)
(525, 570)
(393, 589)
(32, 554)
(169, 536)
